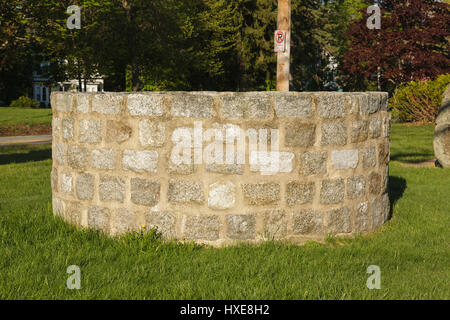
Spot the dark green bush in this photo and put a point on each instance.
(24, 102)
(419, 101)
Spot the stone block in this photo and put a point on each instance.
(74, 213)
(241, 227)
(383, 153)
(356, 187)
(182, 191)
(85, 186)
(90, 131)
(222, 195)
(99, 218)
(300, 134)
(54, 179)
(151, 133)
(331, 105)
(56, 127)
(59, 153)
(374, 127)
(66, 183)
(111, 189)
(344, 159)
(145, 192)
(77, 157)
(299, 192)
(162, 221)
(313, 162)
(369, 157)
(275, 224)
(62, 102)
(104, 159)
(245, 106)
(190, 105)
(332, 191)
(125, 221)
(307, 222)
(377, 213)
(293, 106)
(359, 131)
(68, 129)
(117, 131)
(82, 102)
(372, 105)
(362, 217)
(263, 193)
(107, 103)
(338, 221)
(225, 168)
(140, 161)
(334, 133)
(201, 227)
(374, 183)
(140, 104)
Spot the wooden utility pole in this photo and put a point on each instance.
(283, 58)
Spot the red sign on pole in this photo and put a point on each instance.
(280, 41)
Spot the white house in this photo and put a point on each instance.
(42, 90)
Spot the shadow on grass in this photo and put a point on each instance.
(33, 155)
(412, 157)
(397, 187)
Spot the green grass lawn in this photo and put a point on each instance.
(21, 116)
(412, 249)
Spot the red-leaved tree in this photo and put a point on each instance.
(412, 44)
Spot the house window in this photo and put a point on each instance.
(44, 94)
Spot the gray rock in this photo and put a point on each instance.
(111, 189)
(362, 217)
(140, 161)
(192, 105)
(222, 195)
(359, 131)
(441, 140)
(185, 191)
(145, 192)
(331, 105)
(162, 221)
(107, 103)
(77, 157)
(275, 224)
(66, 183)
(67, 129)
(125, 221)
(299, 193)
(241, 227)
(377, 213)
(338, 221)
(148, 104)
(313, 163)
(201, 227)
(261, 193)
(374, 127)
(82, 102)
(369, 157)
(85, 186)
(59, 153)
(151, 133)
(117, 131)
(334, 133)
(332, 191)
(288, 105)
(374, 183)
(307, 222)
(90, 131)
(98, 218)
(356, 187)
(245, 106)
(300, 134)
(104, 159)
(344, 159)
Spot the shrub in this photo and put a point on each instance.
(419, 101)
(25, 102)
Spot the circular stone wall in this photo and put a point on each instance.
(221, 168)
